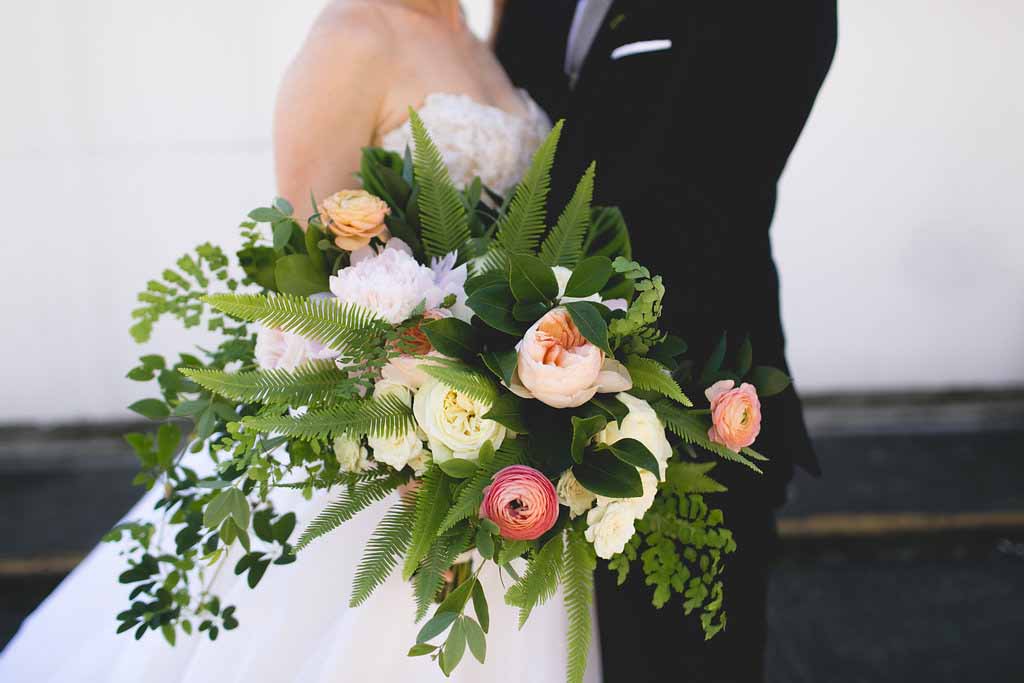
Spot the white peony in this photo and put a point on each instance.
(351, 454)
(609, 528)
(392, 284)
(279, 350)
(572, 494)
(454, 422)
(403, 449)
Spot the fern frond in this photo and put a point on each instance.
(354, 499)
(462, 378)
(389, 540)
(445, 226)
(432, 501)
(650, 375)
(387, 417)
(540, 581)
(564, 244)
(578, 589)
(344, 327)
(691, 429)
(429, 578)
(310, 383)
(471, 492)
(520, 228)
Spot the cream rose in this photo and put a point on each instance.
(351, 454)
(354, 217)
(454, 422)
(572, 494)
(609, 528)
(399, 450)
(559, 367)
(642, 424)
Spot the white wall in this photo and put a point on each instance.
(133, 130)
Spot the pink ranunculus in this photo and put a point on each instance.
(559, 367)
(735, 414)
(522, 502)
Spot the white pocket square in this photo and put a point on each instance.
(641, 47)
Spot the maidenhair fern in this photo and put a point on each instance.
(387, 416)
(383, 549)
(443, 220)
(309, 384)
(564, 244)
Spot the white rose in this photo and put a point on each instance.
(642, 424)
(609, 528)
(572, 494)
(401, 449)
(454, 422)
(420, 462)
(351, 454)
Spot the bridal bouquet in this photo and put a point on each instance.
(510, 380)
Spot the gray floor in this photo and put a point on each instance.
(937, 606)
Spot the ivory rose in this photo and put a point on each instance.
(609, 527)
(521, 501)
(735, 414)
(559, 367)
(354, 217)
(398, 450)
(572, 494)
(454, 422)
(351, 454)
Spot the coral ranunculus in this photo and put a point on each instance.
(735, 414)
(353, 217)
(522, 502)
(559, 367)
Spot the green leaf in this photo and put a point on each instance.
(266, 215)
(455, 646)
(650, 375)
(744, 357)
(420, 649)
(167, 439)
(296, 274)
(578, 590)
(476, 639)
(590, 323)
(151, 408)
(458, 468)
(540, 581)
(507, 410)
(604, 474)
(432, 504)
(311, 384)
(583, 430)
(453, 338)
(692, 477)
(529, 313)
(444, 224)
(493, 305)
(564, 244)
(282, 230)
(613, 407)
(258, 263)
(636, 454)
(501, 363)
(227, 503)
(480, 606)
(531, 280)
(437, 625)
(715, 360)
(589, 277)
(768, 381)
(484, 543)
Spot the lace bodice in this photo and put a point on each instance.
(477, 139)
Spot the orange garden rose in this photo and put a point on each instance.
(354, 217)
(735, 414)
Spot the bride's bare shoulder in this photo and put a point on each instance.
(353, 28)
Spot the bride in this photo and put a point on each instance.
(364, 63)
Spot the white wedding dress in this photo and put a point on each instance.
(297, 625)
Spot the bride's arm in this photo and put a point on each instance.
(328, 106)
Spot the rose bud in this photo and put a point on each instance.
(353, 217)
(735, 414)
(522, 502)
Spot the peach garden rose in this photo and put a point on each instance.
(353, 217)
(559, 367)
(735, 414)
(521, 501)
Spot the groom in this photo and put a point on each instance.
(691, 110)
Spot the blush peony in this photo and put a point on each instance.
(353, 217)
(559, 367)
(522, 502)
(735, 414)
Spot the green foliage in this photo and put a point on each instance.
(429, 577)
(637, 332)
(469, 494)
(540, 581)
(432, 502)
(608, 235)
(387, 416)
(564, 244)
(442, 215)
(650, 375)
(363, 493)
(344, 327)
(692, 477)
(383, 549)
(312, 383)
(462, 378)
(578, 586)
(692, 428)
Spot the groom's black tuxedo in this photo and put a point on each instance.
(690, 141)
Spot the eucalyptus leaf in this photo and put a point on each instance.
(437, 625)
(480, 606)
(476, 639)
